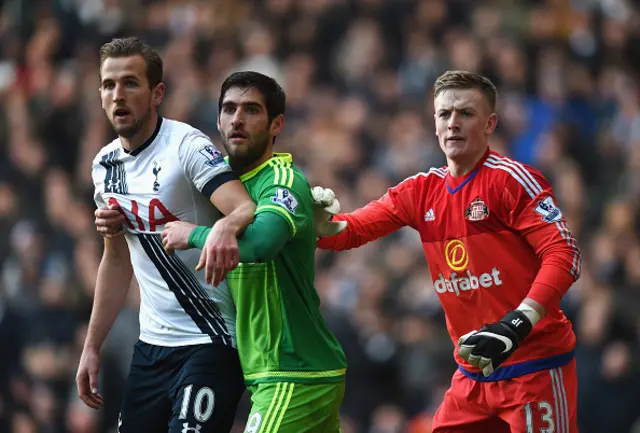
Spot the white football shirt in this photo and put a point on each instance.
(170, 177)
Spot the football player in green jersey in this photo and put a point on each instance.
(293, 365)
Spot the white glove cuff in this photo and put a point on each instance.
(530, 312)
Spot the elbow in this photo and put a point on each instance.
(257, 251)
(264, 252)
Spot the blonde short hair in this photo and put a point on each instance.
(466, 80)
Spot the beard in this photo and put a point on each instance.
(248, 153)
(129, 131)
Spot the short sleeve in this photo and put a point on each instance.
(286, 193)
(203, 164)
(98, 185)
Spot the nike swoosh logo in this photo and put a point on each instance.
(507, 342)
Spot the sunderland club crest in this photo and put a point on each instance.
(477, 210)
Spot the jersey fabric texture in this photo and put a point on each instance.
(491, 238)
(289, 407)
(170, 177)
(282, 336)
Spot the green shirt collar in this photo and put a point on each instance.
(284, 157)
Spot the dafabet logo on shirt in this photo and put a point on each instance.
(457, 258)
(456, 255)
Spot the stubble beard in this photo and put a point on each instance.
(238, 161)
(129, 132)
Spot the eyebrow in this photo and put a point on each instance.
(463, 108)
(126, 77)
(245, 104)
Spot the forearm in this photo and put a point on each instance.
(112, 285)
(264, 238)
(550, 286)
(364, 225)
(261, 241)
(238, 220)
(560, 262)
(547, 290)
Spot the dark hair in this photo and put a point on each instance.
(132, 46)
(274, 96)
(466, 80)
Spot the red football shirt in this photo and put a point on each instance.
(491, 239)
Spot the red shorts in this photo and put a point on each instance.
(545, 401)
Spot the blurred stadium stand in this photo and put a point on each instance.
(358, 75)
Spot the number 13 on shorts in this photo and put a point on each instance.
(539, 417)
(554, 408)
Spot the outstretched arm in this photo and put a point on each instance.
(377, 219)
(364, 225)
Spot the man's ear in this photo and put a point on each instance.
(276, 125)
(158, 94)
(492, 122)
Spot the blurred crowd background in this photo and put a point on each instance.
(358, 76)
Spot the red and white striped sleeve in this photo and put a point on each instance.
(533, 212)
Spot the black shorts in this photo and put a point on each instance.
(188, 389)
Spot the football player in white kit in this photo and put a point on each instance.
(185, 374)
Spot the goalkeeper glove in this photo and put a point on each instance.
(495, 342)
(326, 206)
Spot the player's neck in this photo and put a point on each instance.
(463, 166)
(247, 168)
(256, 164)
(131, 144)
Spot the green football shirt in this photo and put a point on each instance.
(281, 334)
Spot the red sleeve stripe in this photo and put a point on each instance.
(533, 188)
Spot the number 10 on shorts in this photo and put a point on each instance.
(203, 403)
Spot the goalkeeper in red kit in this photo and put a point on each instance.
(501, 257)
